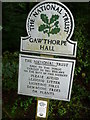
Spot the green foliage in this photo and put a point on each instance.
(21, 104)
(49, 27)
(82, 51)
(73, 109)
(10, 70)
(10, 64)
(62, 111)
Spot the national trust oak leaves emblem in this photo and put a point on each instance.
(50, 26)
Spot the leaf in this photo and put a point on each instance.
(45, 31)
(53, 18)
(56, 23)
(44, 18)
(42, 27)
(55, 30)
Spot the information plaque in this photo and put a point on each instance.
(45, 77)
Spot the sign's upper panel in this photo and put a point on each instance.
(49, 26)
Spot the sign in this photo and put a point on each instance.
(41, 108)
(45, 77)
(49, 26)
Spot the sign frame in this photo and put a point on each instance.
(49, 59)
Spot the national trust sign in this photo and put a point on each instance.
(49, 26)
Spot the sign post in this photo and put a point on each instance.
(49, 26)
(44, 106)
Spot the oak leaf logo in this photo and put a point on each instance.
(50, 26)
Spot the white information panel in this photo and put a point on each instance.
(45, 77)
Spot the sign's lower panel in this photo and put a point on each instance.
(45, 77)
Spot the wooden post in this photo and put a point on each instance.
(43, 99)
